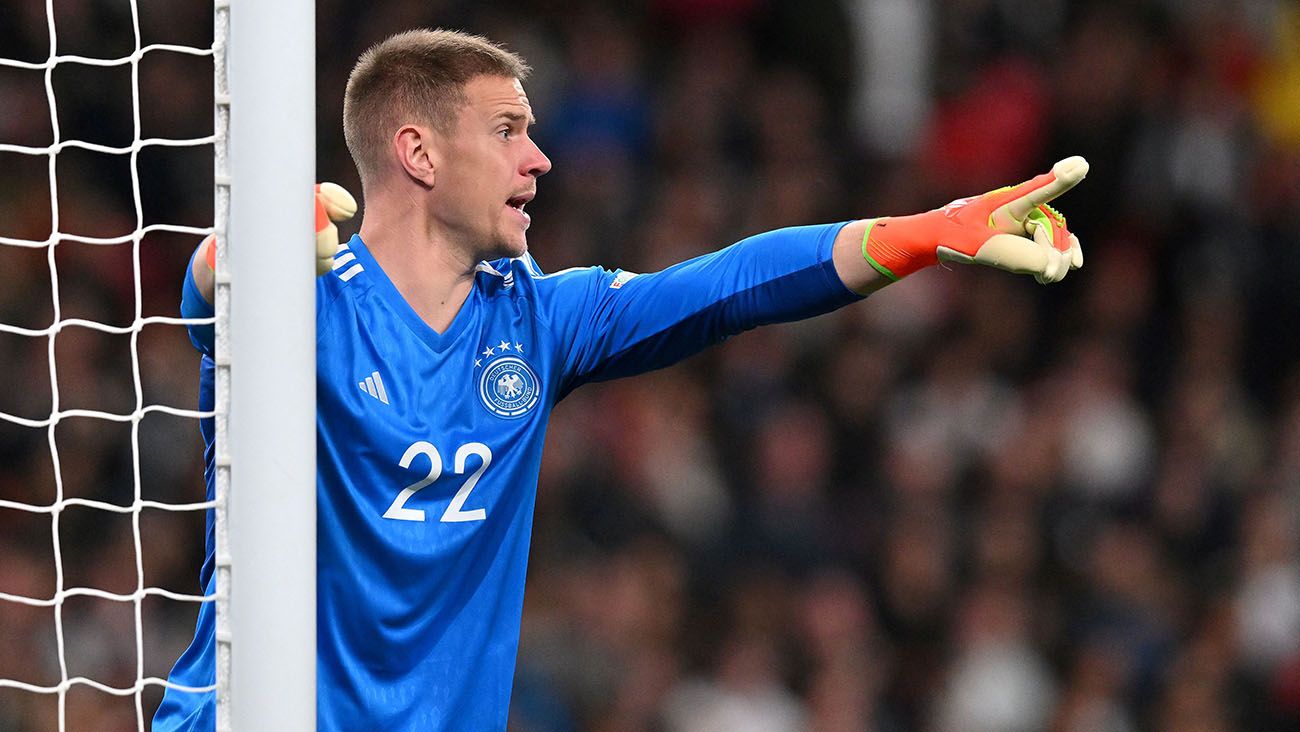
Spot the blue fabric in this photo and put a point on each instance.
(197, 667)
(193, 305)
(418, 612)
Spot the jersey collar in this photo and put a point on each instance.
(384, 288)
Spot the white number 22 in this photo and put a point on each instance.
(455, 512)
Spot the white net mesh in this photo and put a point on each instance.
(122, 490)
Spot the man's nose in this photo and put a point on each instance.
(537, 164)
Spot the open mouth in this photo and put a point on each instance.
(518, 202)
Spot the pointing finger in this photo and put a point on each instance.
(1065, 175)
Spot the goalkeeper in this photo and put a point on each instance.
(442, 348)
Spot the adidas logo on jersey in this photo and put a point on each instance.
(374, 386)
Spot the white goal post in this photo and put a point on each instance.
(266, 365)
(263, 55)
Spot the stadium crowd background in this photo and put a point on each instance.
(970, 504)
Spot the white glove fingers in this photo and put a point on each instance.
(339, 204)
(327, 245)
(1076, 252)
(1013, 253)
(1056, 265)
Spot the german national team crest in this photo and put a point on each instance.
(507, 386)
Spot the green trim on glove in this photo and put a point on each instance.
(882, 269)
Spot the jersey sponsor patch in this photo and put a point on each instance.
(508, 387)
(620, 279)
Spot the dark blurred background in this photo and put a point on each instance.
(971, 504)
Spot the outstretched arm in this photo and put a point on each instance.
(617, 324)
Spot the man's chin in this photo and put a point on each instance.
(508, 249)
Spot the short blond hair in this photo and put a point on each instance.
(417, 76)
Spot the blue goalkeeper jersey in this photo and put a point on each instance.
(429, 446)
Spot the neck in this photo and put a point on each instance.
(434, 277)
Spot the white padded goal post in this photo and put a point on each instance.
(269, 360)
(263, 142)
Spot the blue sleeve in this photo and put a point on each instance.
(615, 324)
(193, 305)
(208, 430)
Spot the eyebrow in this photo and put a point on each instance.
(517, 117)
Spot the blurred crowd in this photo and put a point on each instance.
(970, 504)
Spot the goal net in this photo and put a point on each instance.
(123, 145)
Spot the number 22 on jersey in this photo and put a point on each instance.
(455, 512)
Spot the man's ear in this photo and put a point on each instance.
(416, 149)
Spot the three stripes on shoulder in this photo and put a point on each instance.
(341, 259)
(372, 384)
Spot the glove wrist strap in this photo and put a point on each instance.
(897, 246)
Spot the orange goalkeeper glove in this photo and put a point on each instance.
(1011, 228)
(333, 203)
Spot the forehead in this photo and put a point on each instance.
(490, 95)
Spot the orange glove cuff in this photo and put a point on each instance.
(897, 246)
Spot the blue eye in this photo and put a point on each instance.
(505, 133)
